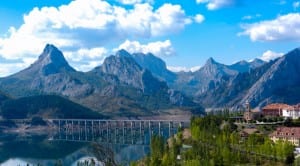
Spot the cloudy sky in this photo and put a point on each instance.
(185, 33)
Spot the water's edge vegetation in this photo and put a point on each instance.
(215, 140)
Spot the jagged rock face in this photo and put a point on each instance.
(275, 81)
(62, 84)
(230, 92)
(206, 78)
(244, 66)
(120, 85)
(51, 73)
(213, 71)
(280, 83)
(125, 68)
(138, 81)
(154, 64)
(51, 61)
(256, 63)
(128, 71)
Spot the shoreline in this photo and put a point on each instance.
(21, 128)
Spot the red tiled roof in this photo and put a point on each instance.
(277, 106)
(286, 132)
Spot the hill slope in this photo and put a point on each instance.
(205, 79)
(280, 83)
(275, 81)
(46, 106)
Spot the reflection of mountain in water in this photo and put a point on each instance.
(35, 148)
(23, 150)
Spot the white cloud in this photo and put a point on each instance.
(82, 54)
(285, 27)
(178, 68)
(132, 2)
(296, 4)
(195, 68)
(159, 48)
(184, 69)
(7, 68)
(217, 4)
(250, 17)
(270, 55)
(199, 18)
(86, 59)
(89, 24)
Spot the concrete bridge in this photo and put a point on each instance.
(114, 131)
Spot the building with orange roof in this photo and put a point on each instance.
(274, 110)
(291, 134)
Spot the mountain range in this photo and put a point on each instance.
(140, 84)
(119, 87)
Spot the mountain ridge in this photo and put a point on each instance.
(119, 86)
(282, 77)
(135, 84)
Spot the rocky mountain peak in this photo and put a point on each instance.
(211, 61)
(242, 62)
(212, 66)
(124, 67)
(257, 63)
(50, 61)
(280, 83)
(49, 48)
(52, 54)
(257, 60)
(154, 64)
(123, 53)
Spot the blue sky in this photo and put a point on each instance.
(183, 33)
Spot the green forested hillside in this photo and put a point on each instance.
(46, 106)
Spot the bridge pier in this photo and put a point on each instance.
(170, 128)
(159, 132)
(59, 128)
(114, 131)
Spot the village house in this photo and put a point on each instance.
(282, 110)
(274, 110)
(291, 134)
(291, 112)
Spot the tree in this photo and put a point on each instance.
(156, 150)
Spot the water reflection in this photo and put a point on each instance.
(73, 142)
(40, 150)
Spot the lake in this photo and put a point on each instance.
(75, 142)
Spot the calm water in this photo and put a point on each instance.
(70, 147)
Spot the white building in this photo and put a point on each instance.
(291, 112)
